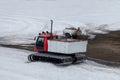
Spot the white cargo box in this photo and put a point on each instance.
(67, 47)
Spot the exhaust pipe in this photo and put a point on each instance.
(51, 35)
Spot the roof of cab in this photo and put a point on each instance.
(47, 35)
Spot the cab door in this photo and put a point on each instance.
(40, 44)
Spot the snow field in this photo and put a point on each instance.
(13, 66)
(21, 20)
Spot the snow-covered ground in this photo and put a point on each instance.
(21, 20)
(13, 66)
(26, 18)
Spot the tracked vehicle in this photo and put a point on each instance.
(58, 49)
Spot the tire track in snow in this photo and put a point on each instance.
(23, 24)
(42, 22)
(12, 24)
(93, 66)
(20, 28)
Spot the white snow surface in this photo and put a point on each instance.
(21, 20)
(33, 16)
(14, 67)
(27, 18)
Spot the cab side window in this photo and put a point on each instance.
(40, 42)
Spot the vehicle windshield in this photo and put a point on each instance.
(40, 42)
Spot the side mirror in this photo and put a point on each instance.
(35, 38)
